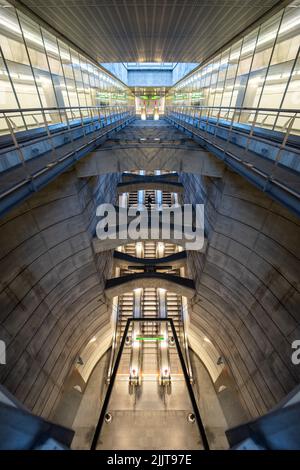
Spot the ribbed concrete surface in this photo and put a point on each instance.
(51, 286)
(247, 282)
(248, 286)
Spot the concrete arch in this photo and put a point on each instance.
(247, 286)
(52, 284)
(150, 158)
(127, 177)
(120, 285)
(101, 246)
(150, 183)
(176, 260)
(52, 288)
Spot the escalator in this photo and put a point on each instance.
(150, 402)
(151, 415)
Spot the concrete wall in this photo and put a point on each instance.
(51, 300)
(88, 412)
(247, 284)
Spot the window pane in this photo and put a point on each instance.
(282, 62)
(56, 70)
(34, 43)
(244, 67)
(223, 67)
(78, 78)
(288, 41)
(38, 58)
(17, 60)
(7, 96)
(275, 85)
(66, 60)
(248, 48)
(234, 56)
(11, 37)
(72, 92)
(265, 43)
(292, 97)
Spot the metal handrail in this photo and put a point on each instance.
(39, 151)
(234, 115)
(56, 108)
(243, 108)
(247, 143)
(52, 129)
(212, 119)
(50, 118)
(114, 374)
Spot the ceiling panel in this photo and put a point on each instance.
(149, 30)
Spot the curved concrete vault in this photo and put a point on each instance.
(247, 285)
(126, 320)
(150, 183)
(177, 260)
(245, 297)
(52, 287)
(120, 285)
(167, 150)
(170, 158)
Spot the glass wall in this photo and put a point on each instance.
(38, 70)
(261, 70)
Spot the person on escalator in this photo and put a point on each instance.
(149, 201)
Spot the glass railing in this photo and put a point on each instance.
(18, 122)
(34, 140)
(280, 121)
(262, 144)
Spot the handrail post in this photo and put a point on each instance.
(49, 135)
(281, 148)
(250, 135)
(70, 131)
(207, 121)
(229, 135)
(216, 125)
(17, 147)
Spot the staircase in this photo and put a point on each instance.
(150, 356)
(150, 249)
(170, 249)
(130, 249)
(133, 199)
(174, 306)
(151, 193)
(125, 311)
(167, 199)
